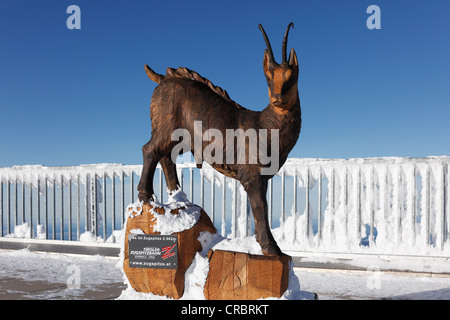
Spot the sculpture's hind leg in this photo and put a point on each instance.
(170, 172)
(151, 158)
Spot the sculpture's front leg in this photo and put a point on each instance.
(257, 195)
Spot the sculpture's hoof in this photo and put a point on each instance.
(270, 249)
(144, 197)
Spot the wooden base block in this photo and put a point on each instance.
(242, 276)
(168, 282)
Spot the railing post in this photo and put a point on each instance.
(38, 204)
(345, 204)
(372, 208)
(307, 208)
(30, 199)
(294, 193)
(248, 214)
(212, 198)
(345, 189)
(46, 207)
(294, 214)
(87, 195)
(1, 207)
(16, 209)
(414, 205)
(399, 204)
(202, 189)
(132, 186)
(94, 206)
(332, 192)
(70, 207)
(270, 201)
(104, 205)
(122, 199)
(319, 206)
(224, 193)
(62, 208)
(91, 203)
(358, 204)
(283, 216)
(447, 202)
(23, 202)
(54, 211)
(78, 207)
(441, 232)
(113, 201)
(427, 204)
(191, 185)
(235, 208)
(8, 206)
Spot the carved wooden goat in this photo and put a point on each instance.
(183, 96)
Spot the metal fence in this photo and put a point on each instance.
(376, 205)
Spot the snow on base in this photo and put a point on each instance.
(245, 245)
(197, 273)
(168, 223)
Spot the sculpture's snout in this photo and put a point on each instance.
(278, 100)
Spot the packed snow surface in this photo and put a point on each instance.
(98, 271)
(67, 276)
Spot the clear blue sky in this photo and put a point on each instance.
(69, 97)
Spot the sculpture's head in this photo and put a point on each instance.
(281, 78)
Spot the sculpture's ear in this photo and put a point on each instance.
(266, 62)
(293, 61)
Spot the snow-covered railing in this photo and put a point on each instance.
(375, 205)
(63, 202)
(398, 206)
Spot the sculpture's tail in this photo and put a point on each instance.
(153, 75)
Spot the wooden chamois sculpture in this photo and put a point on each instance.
(183, 96)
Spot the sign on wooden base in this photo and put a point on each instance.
(167, 281)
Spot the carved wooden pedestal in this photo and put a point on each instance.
(232, 275)
(168, 282)
(243, 276)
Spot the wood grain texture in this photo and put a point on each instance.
(243, 276)
(169, 282)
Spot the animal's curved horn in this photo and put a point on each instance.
(269, 48)
(283, 48)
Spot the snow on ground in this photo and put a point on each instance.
(373, 285)
(31, 275)
(78, 274)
